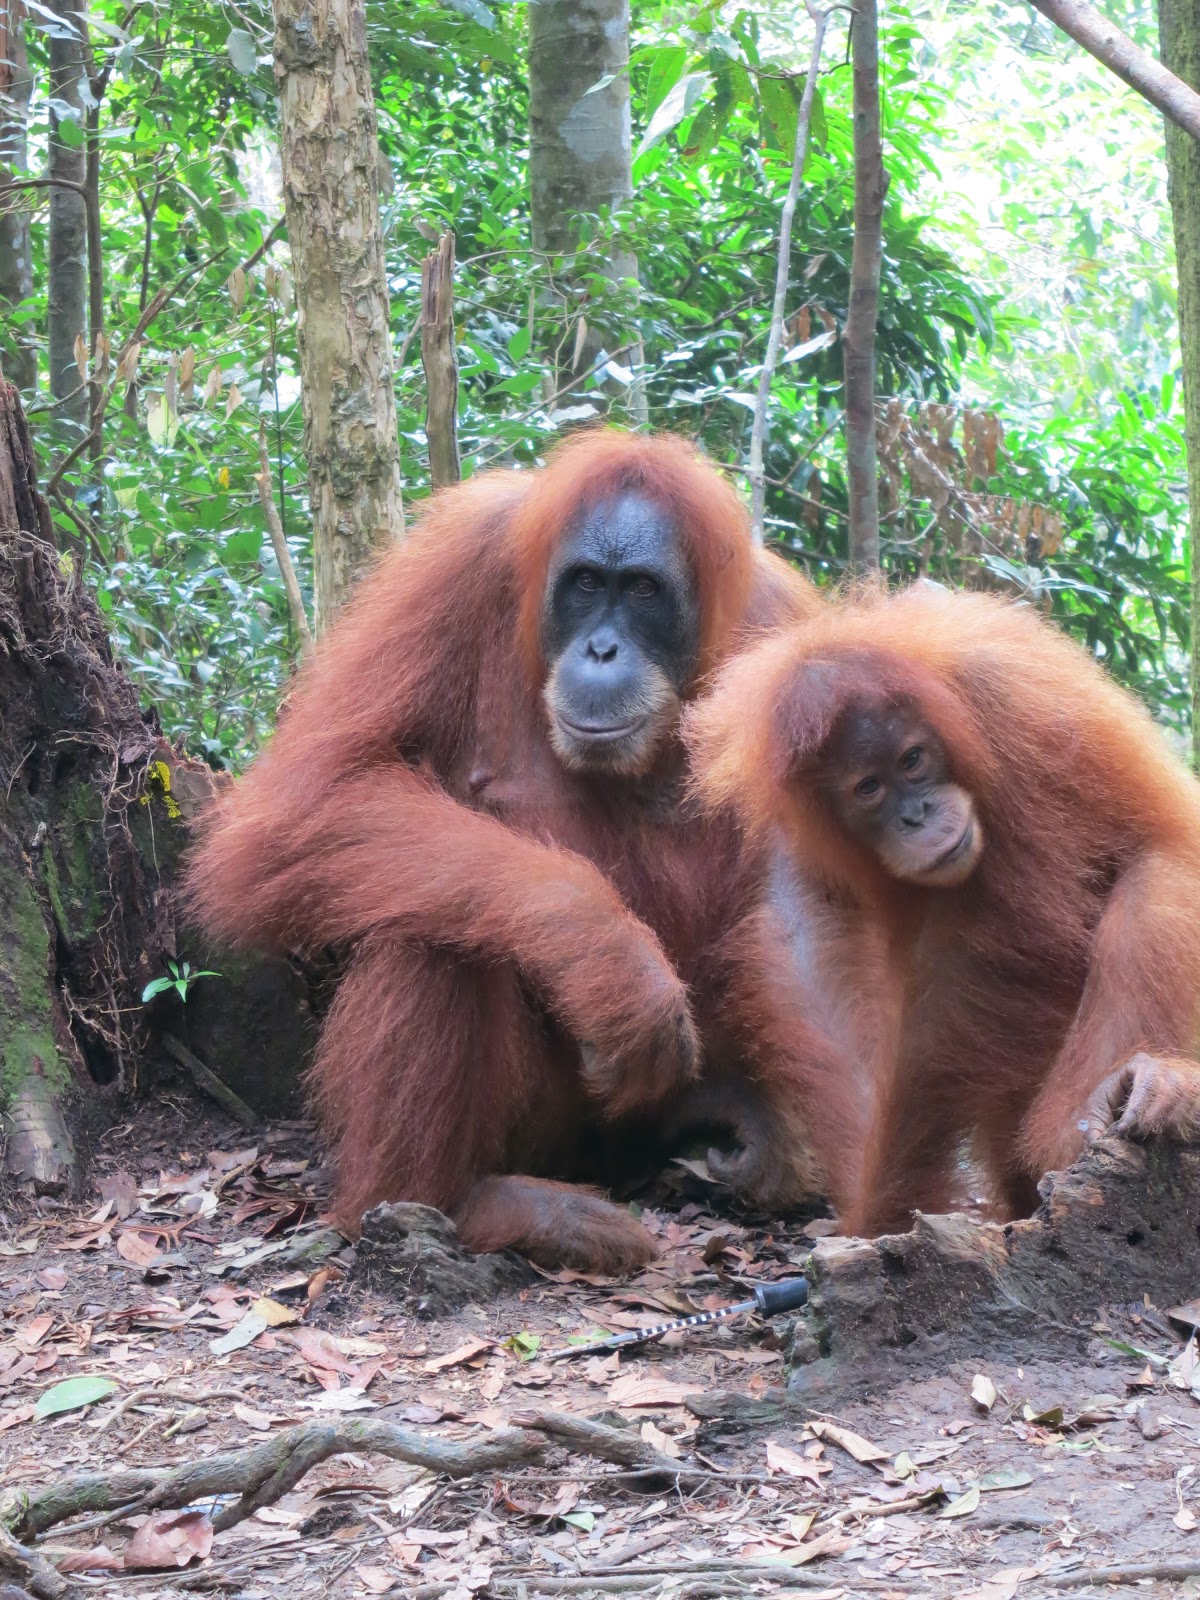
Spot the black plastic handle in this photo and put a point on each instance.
(789, 1295)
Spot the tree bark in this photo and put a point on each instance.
(67, 318)
(440, 363)
(329, 155)
(858, 338)
(1179, 35)
(1170, 90)
(580, 154)
(94, 810)
(16, 261)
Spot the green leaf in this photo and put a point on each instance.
(71, 1395)
(243, 547)
(518, 345)
(71, 133)
(525, 1345)
(240, 46)
(156, 986)
(677, 104)
(584, 1520)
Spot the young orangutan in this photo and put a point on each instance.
(1009, 859)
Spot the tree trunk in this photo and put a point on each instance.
(330, 157)
(67, 319)
(858, 337)
(1179, 34)
(16, 263)
(580, 155)
(94, 807)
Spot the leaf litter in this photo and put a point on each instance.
(198, 1304)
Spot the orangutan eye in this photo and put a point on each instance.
(587, 580)
(912, 759)
(643, 588)
(868, 788)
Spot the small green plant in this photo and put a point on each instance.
(180, 976)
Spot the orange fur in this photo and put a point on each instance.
(501, 911)
(1003, 1005)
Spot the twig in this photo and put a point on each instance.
(263, 1472)
(35, 1575)
(209, 1082)
(1133, 65)
(758, 433)
(291, 584)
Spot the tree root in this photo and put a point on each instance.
(261, 1474)
(625, 1449)
(1131, 1572)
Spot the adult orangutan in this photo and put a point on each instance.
(478, 787)
(1009, 858)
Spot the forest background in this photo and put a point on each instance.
(1031, 433)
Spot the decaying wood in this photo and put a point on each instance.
(440, 360)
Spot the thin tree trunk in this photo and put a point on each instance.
(16, 262)
(330, 158)
(1179, 35)
(440, 363)
(758, 433)
(95, 256)
(858, 338)
(67, 319)
(580, 153)
(1170, 90)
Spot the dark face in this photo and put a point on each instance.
(888, 783)
(620, 624)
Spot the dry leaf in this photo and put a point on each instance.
(252, 1418)
(170, 1540)
(377, 1580)
(852, 1443)
(983, 1391)
(274, 1314)
(455, 1358)
(139, 1249)
(634, 1390)
(53, 1278)
(98, 1559)
(781, 1459)
(660, 1441)
(239, 1336)
(1185, 1520)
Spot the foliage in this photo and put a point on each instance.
(168, 515)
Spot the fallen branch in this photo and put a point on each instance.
(291, 584)
(262, 1473)
(758, 433)
(209, 1082)
(1133, 65)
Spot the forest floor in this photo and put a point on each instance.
(1029, 1479)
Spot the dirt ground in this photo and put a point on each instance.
(182, 1286)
